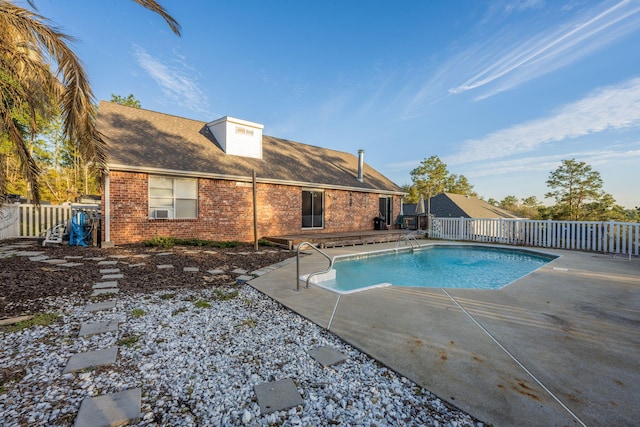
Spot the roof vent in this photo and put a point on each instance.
(238, 137)
(361, 165)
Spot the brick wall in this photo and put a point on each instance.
(225, 211)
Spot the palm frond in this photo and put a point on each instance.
(154, 6)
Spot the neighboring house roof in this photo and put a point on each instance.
(449, 205)
(152, 142)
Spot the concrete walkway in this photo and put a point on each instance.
(558, 347)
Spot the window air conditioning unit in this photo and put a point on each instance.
(161, 214)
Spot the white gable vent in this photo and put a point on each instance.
(238, 137)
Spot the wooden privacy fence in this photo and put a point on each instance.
(607, 237)
(28, 220)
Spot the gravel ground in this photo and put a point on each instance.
(196, 352)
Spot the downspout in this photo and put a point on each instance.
(255, 212)
(106, 243)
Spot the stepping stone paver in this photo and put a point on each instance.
(73, 257)
(164, 253)
(106, 285)
(97, 292)
(261, 272)
(165, 266)
(210, 252)
(277, 395)
(239, 271)
(244, 278)
(141, 256)
(54, 261)
(110, 409)
(14, 320)
(215, 272)
(91, 359)
(38, 258)
(71, 264)
(109, 270)
(113, 276)
(28, 253)
(97, 258)
(107, 262)
(98, 328)
(140, 264)
(191, 269)
(244, 253)
(104, 305)
(327, 355)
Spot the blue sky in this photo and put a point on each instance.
(501, 91)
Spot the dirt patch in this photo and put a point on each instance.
(25, 284)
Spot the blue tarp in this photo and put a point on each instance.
(79, 233)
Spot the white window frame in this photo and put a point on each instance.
(176, 192)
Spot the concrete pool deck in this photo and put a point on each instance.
(559, 347)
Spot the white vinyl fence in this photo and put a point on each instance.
(27, 220)
(606, 237)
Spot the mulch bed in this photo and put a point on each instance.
(24, 284)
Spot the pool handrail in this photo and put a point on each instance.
(409, 237)
(314, 273)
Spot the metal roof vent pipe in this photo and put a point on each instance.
(361, 165)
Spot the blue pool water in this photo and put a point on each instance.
(437, 267)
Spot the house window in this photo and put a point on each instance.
(312, 209)
(173, 198)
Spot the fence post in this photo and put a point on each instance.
(612, 235)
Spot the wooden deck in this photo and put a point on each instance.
(332, 240)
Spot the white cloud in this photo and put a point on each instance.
(548, 163)
(515, 55)
(505, 65)
(610, 108)
(175, 80)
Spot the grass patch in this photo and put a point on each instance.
(178, 311)
(221, 295)
(250, 323)
(11, 375)
(129, 341)
(167, 296)
(202, 304)
(169, 242)
(42, 319)
(137, 312)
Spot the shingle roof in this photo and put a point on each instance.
(449, 205)
(139, 139)
(456, 205)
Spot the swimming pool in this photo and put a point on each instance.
(450, 266)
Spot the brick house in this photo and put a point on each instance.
(171, 176)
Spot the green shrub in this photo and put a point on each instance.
(169, 242)
(160, 241)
